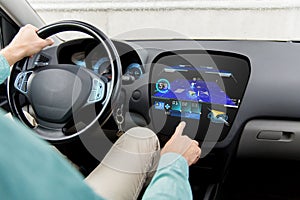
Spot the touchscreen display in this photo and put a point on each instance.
(203, 90)
(184, 97)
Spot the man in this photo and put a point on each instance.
(30, 169)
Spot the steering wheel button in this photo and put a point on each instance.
(97, 91)
(92, 97)
(96, 84)
(99, 95)
(24, 86)
(19, 85)
(21, 81)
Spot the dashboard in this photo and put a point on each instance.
(238, 98)
(215, 86)
(204, 88)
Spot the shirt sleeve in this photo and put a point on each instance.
(31, 170)
(171, 179)
(4, 69)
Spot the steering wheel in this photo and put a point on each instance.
(61, 94)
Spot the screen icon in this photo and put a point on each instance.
(159, 105)
(196, 107)
(167, 106)
(162, 85)
(186, 106)
(218, 117)
(176, 105)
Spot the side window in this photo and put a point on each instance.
(8, 29)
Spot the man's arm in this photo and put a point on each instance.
(25, 43)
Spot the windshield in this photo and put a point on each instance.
(177, 19)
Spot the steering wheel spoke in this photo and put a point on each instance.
(50, 134)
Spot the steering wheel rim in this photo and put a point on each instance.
(111, 91)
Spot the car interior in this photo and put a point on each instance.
(239, 98)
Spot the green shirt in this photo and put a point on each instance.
(4, 69)
(31, 170)
(171, 179)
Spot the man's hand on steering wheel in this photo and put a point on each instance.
(25, 43)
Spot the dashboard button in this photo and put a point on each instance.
(136, 95)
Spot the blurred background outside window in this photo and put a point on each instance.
(196, 19)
